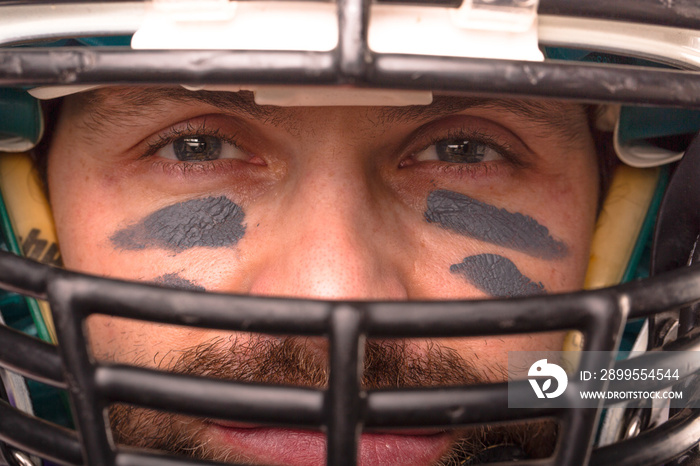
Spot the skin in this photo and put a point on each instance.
(469, 217)
(330, 203)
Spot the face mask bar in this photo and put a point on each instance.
(343, 406)
(571, 81)
(352, 62)
(643, 11)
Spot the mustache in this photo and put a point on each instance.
(293, 361)
(297, 361)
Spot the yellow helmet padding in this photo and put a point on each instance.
(30, 215)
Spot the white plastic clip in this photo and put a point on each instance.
(496, 15)
(500, 29)
(230, 25)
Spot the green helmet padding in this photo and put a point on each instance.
(637, 123)
(21, 124)
(20, 120)
(653, 122)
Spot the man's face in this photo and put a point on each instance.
(464, 198)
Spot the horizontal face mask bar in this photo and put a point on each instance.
(339, 408)
(563, 80)
(635, 11)
(74, 297)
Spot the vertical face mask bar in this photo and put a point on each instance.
(93, 386)
(343, 418)
(343, 407)
(88, 408)
(352, 54)
(35, 359)
(599, 316)
(604, 323)
(345, 324)
(76, 297)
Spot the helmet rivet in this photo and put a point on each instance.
(634, 428)
(22, 458)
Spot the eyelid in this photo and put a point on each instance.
(169, 135)
(474, 129)
(477, 136)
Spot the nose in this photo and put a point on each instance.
(330, 239)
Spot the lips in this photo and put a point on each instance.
(276, 446)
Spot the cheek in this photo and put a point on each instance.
(452, 264)
(521, 233)
(490, 355)
(574, 216)
(154, 345)
(82, 218)
(115, 228)
(85, 218)
(83, 202)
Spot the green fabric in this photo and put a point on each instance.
(636, 123)
(20, 116)
(653, 122)
(20, 113)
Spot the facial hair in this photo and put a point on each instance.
(388, 364)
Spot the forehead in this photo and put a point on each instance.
(123, 105)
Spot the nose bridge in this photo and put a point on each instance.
(329, 238)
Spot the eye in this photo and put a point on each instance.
(200, 148)
(459, 150)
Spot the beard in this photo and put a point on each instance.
(291, 361)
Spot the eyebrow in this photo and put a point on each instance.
(563, 119)
(117, 105)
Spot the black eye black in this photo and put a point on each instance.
(462, 151)
(197, 148)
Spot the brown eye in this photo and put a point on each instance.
(200, 148)
(459, 150)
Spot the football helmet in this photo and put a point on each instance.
(638, 60)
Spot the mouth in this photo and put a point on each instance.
(278, 446)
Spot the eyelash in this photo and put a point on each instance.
(504, 149)
(510, 156)
(172, 134)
